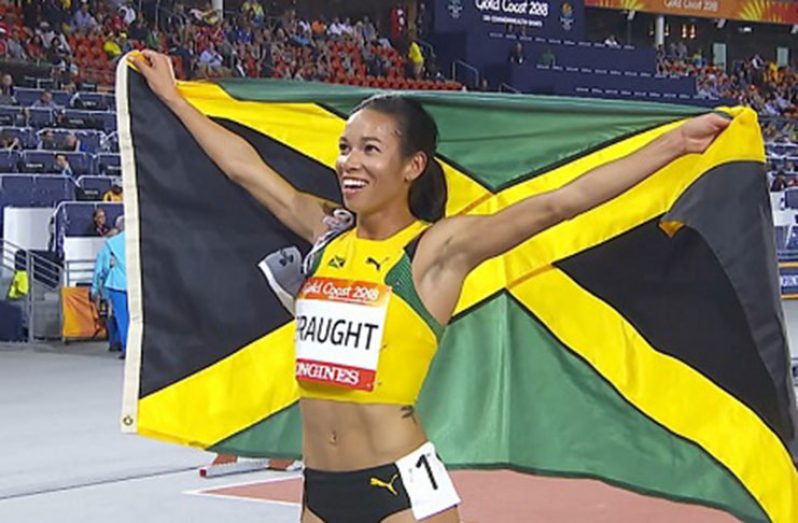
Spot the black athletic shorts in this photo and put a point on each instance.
(361, 496)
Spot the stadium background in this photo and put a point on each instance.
(57, 104)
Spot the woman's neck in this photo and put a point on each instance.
(384, 223)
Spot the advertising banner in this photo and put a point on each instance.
(767, 11)
(555, 18)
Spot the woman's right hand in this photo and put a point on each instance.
(159, 73)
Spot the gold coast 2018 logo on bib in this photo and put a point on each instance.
(339, 329)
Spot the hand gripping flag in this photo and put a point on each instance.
(641, 343)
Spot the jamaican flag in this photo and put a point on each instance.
(641, 343)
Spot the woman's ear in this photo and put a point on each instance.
(416, 167)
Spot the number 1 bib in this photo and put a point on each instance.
(339, 330)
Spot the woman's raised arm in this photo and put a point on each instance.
(299, 211)
(462, 243)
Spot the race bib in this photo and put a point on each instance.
(339, 329)
(427, 483)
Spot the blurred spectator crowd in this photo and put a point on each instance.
(764, 86)
(770, 90)
(781, 147)
(340, 50)
(82, 40)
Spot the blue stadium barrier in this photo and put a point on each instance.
(570, 53)
(9, 161)
(44, 161)
(26, 190)
(81, 163)
(12, 190)
(73, 219)
(37, 161)
(82, 119)
(565, 81)
(96, 101)
(16, 190)
(109, 164)
(39, 82)
(36, 190)
(109, 121)
(791, 200)
(27, 96)
(89, 139)
(102, 184)
(41, 117)
(792, 241)
(11, 116)
(50, 190)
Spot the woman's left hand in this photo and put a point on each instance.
(698, 133)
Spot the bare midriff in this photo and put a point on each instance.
(339, 436)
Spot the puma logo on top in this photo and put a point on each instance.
(377, 264)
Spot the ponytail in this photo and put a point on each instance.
(428, 193)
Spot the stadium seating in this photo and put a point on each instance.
(44, 161)
(39, 82)
(11, 116)
(90, 140)
(27, 96)
(101, 184)
(17, 190)
(27, 190)
(26, 135)
(792, 240)
(83, 119)
(791, 199)
(9, 160)
(97, 101)
(109, 164)
(75, 219)
(41, 117)
(49, 191)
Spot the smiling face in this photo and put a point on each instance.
(373, 170)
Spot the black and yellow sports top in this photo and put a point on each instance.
(411, 334)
